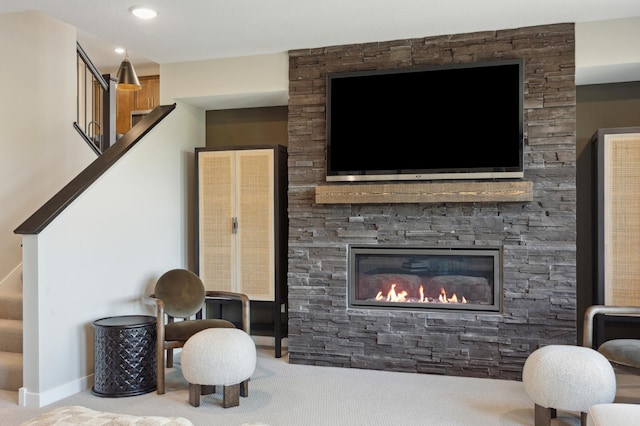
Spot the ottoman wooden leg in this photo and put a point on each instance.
(194, 394)
(244, 388)
(231, 396)
(543, 415)
(583, 419)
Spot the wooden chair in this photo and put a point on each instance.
(180, 295)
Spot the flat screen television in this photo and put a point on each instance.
(460, 121)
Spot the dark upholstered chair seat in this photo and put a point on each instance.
(182, 330)
(622, 351)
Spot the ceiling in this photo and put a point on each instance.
(193, 30)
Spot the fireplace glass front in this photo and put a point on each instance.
(425, 278)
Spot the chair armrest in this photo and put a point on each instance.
(242, 298)
(154, 301)
(592, 311)
(150, 300)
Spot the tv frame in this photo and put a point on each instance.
(511, 172)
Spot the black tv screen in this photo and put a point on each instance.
(455, 122)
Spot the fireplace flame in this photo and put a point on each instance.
(442, 298)
(392, 296)
(403, 296)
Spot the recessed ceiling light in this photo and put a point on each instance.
(119, 50)
(142, 12)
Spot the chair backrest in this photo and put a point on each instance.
(182, 292)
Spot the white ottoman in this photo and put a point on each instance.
(615, 414)
(218, 356)
(571, 378)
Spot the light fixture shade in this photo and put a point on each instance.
(127, 78)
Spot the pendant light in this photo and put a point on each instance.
(127, 78)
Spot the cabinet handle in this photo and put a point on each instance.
(234, 225)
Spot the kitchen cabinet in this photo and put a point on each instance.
(124, 106)
(144, 99)
(149, 95)
(242, 228)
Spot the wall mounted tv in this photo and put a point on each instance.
(455, 122)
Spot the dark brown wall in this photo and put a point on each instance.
(247, 126)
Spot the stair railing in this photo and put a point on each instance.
(96, 111)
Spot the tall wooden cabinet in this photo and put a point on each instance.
(617, 208)
(616, 153)
(241, 235)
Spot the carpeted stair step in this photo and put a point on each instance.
(10, 335)
(10, 371)
(11, 305)
(10, 341)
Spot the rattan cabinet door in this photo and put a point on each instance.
(618, 216)
(216, 198)
(236, 221)
(255, 230)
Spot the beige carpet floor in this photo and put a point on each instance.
(283, 394)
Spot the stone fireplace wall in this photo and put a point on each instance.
(538, 237)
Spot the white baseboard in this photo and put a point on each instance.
(37, 400)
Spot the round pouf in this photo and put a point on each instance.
(614, 414)
(571, 378)
(218, 356)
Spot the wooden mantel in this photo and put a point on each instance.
(449, 192)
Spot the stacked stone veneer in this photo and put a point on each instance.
(538, 237)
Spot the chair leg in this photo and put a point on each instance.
(231, 396)
(160, 388)
(583, 419)
(160, 382)
(194, 394)
(543, 415)
(244, 388)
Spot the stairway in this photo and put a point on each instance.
(10, 340)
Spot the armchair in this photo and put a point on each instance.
(180, 294)
(624, 353)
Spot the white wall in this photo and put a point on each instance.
(103, 253)
(607, 51)
(39, 149)
(246, 82)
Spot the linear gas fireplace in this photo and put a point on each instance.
(429, 278)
